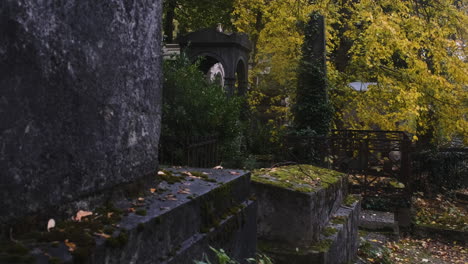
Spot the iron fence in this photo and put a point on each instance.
(435, 171)
(199, 151)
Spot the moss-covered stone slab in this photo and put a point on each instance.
(188, 208)
(296, 202)
(301, 177)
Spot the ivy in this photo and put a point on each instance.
(312, 109)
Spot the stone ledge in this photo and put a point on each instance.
(236, 235)
(167, 222)
(446, 235)
(378, 221)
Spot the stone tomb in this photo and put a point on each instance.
(175, 223)
(305, 215)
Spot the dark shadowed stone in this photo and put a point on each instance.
(306, 213)
(337, 244)
(180, 230)
(79, 99)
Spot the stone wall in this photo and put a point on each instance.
(80, 91)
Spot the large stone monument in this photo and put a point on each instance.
(80, 92)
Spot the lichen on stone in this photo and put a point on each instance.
(329, 231)
(350, 199)
(301, 177)
(322, 245)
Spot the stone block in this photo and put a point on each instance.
(293, 216)
(80, 99)
(337, 244)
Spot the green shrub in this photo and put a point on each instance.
(195, 107)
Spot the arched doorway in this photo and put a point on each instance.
(230, 50)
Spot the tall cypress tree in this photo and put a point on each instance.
(312, 109)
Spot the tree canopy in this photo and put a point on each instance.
(415, 50)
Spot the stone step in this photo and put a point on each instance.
(378, 221)
(184, 211)
(236, 235)
(337, 244)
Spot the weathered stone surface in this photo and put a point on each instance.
(180, 229)
(79, 99)
(337, 244)
(295, 217)
(378, 221)
(345, 241)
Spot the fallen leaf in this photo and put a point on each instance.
(80, 214)
(50, 224)
(152, 190)
(131, 210)
(171, 197)
(106, 236)
(234, 173)
(219, 167)
(71, 246)
(187, 173)
(161, 173)
(109, 214)
(141, 199)
(184, 191)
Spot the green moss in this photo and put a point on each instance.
(118, 241)
(301, 178)
(141, 212)
(363, 233)
(199, 174)
(169, 177)
(350, 199)
(210, 180)
(339, 220)
(329, 231)
(323, 245)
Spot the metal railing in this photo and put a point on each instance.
(201, 151)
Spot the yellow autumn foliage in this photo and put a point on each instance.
(416, 52)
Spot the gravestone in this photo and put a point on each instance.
(80, 97)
